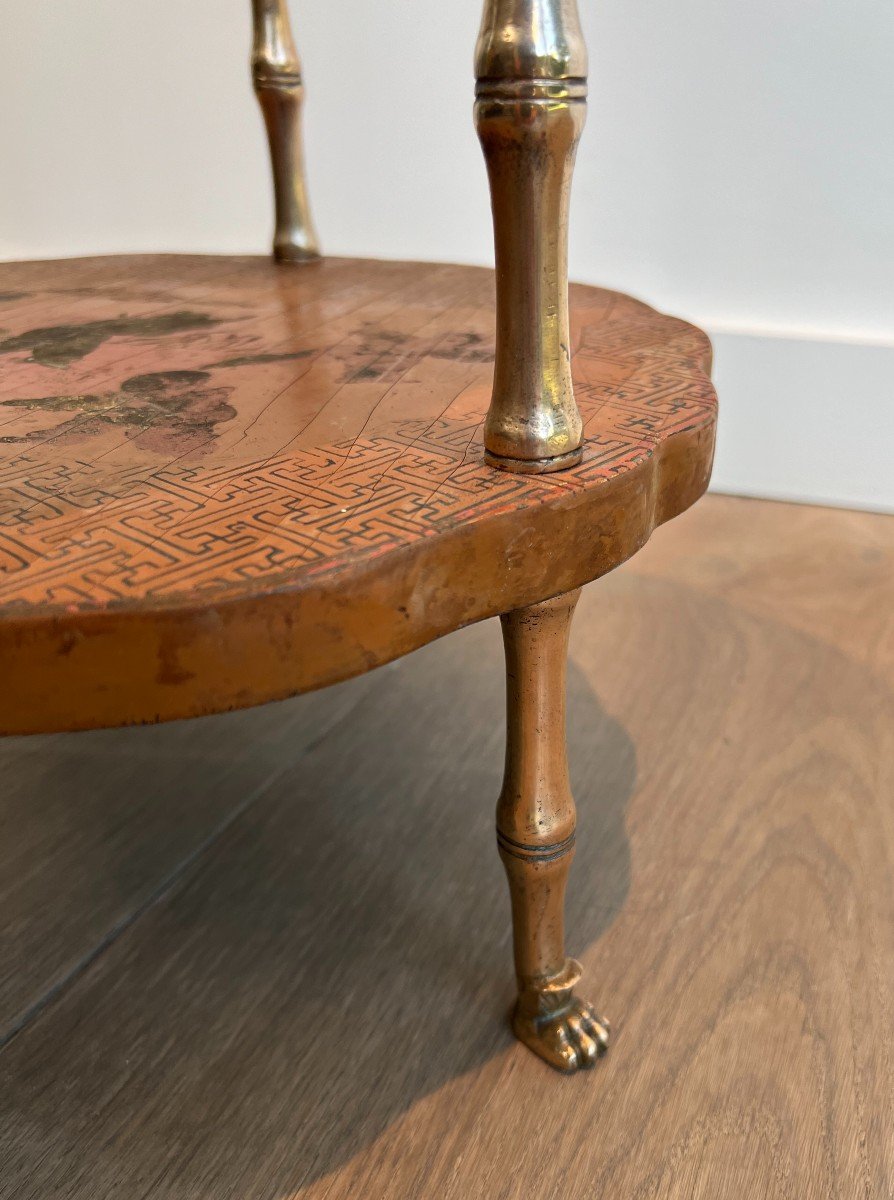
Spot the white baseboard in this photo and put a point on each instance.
(805, 419)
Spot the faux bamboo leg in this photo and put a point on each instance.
(535, 835)
(276, 72)
(531, 66)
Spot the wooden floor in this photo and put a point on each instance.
(266, 955)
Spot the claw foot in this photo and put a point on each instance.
(560, 1028)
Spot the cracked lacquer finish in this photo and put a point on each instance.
(221, 483)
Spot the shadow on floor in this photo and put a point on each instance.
(342, 951)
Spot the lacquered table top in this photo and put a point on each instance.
(191, 439)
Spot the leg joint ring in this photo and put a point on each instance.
(534, 853)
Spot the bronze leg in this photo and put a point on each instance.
(535, 835)
(276, 72)
(531, 67)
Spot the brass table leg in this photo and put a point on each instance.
(535, 835)
(531, 68)
(276, 72)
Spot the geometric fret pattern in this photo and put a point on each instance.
(200, 426)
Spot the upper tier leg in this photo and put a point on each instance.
(276, 72)
(535, 834)
(531, 66)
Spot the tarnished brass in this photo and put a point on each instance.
(535, 836)
(276, 73)
(531, 67)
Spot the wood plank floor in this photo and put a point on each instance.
(267, 955)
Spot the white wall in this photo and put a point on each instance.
(738, 169)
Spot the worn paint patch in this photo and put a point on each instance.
(161, 411)
(465, 347)
(376, 354)
(247, 360)
(61, 345)
(381, 355)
